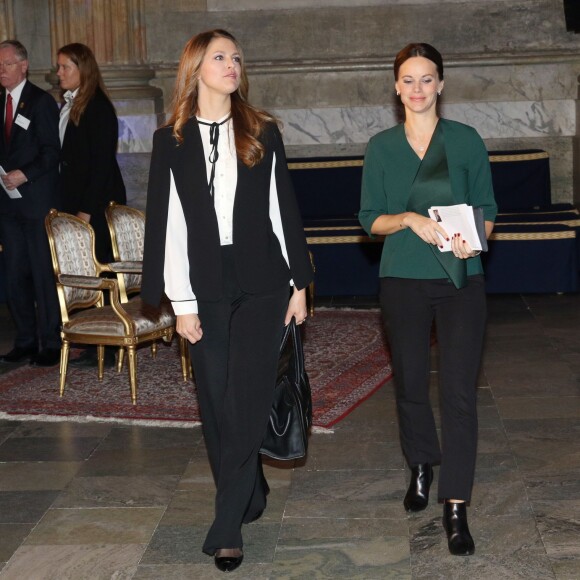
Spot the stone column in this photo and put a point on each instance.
(115, 31)
(6, 20)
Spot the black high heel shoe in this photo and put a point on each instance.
(228, 563)
(459, 539)
(417, 496)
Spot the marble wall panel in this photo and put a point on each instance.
(333, 125)
(343, 132)
(516, 119)
(135, 171)
(136, 133)
(498, 120)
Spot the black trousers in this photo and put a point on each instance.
(103, 246)
(235, 366)
(31, 287)
(409, 307)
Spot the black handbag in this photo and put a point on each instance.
(291, 414)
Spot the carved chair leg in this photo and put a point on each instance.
(311, 286)
(311, 299)
(153, 349)
(101, 361)
(185, 362)
(64, 352)
(132, 364)
(120, 358)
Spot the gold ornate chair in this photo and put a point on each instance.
(85, 317)
(311, 287)
(127, 229)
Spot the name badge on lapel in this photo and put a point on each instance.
(22, 121)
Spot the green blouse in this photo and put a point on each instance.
(389, 169)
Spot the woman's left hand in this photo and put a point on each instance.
(297, 307)
(461, 248)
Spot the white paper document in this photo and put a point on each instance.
(12, 193)
(456, 219)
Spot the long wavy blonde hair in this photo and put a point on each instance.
(249, 122)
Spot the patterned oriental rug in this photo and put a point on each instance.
(347, 360)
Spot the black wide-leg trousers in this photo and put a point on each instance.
(409, 308)
(235, 365)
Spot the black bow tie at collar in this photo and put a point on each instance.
(214, 135)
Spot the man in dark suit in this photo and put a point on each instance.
(29, 156)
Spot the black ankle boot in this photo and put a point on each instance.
(417, 496)
(459, 539)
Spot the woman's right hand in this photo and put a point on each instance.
(426, 228)
(189, 326)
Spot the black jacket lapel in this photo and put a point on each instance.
(24, 108)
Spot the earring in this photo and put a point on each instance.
(398, 94)
(439, 93)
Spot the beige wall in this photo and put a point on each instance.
(324, 66)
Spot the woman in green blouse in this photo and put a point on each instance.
(423, 162)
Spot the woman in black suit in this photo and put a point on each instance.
(224, 240)
(89, 172)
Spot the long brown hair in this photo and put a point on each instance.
(248, 121)
(91, 78)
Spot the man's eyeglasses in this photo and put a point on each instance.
(8, 65)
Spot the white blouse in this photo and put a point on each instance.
(176, 268)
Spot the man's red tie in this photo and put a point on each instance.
(9, 117)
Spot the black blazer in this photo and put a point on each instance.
(90, 174)
(258, 256)
(35, 151)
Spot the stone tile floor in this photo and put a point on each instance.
(92, 501)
